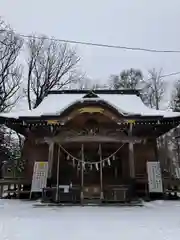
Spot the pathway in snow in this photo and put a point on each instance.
(158, 220)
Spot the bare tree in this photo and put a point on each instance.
(10, 81)
(85, 83)
(154, 89)
(129, 79)
(152, 95)
(88, 84)
(10, 70)
(51, 65)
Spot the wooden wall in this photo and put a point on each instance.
(31, 153)
(142, 153)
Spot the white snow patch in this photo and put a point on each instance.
(158, 220)
(126, 104)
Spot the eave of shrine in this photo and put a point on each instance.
(125, 102)
(121, 106)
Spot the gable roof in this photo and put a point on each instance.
(126, 102)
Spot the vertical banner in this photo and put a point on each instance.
(154, 177)
(39, 179)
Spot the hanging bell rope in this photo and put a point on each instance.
(88, 162)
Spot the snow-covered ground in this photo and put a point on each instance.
(156, 220)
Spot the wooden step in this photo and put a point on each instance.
(94, 201)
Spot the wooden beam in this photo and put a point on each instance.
(97, 139)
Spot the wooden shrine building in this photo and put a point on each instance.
(96, 142)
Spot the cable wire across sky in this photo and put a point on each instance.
(107, 46)
(102, 45)
(170, 74)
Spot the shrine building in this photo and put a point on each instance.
(97, 144)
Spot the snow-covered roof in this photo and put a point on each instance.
(127, 104)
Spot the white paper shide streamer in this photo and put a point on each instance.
(109, 162)
(97, 166)
(77, 162)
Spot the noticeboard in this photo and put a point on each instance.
(154, 177)
(39, 179)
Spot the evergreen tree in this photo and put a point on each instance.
(154, 89)
(128, 79)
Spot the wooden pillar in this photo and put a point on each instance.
(101, 173)
(166, 153)
(156, 150)
(178, 153)
(50, 158)
(131, 154)
(82, 174)
(116, 172)
(57, 181)
(18, 190)
(1, 190)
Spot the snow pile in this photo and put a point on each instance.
(157, 220)
(126, 104)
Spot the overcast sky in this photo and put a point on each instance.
(134, 23)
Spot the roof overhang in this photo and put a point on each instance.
(127, 104)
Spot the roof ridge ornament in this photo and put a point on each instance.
(91, 94)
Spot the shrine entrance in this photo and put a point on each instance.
(94, 167)
(92, 174)
(95, 155)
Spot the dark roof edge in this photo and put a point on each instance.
(50, 117)
(98, 91)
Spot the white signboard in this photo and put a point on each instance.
(154, 177)
(39, 179)
(65, 188)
